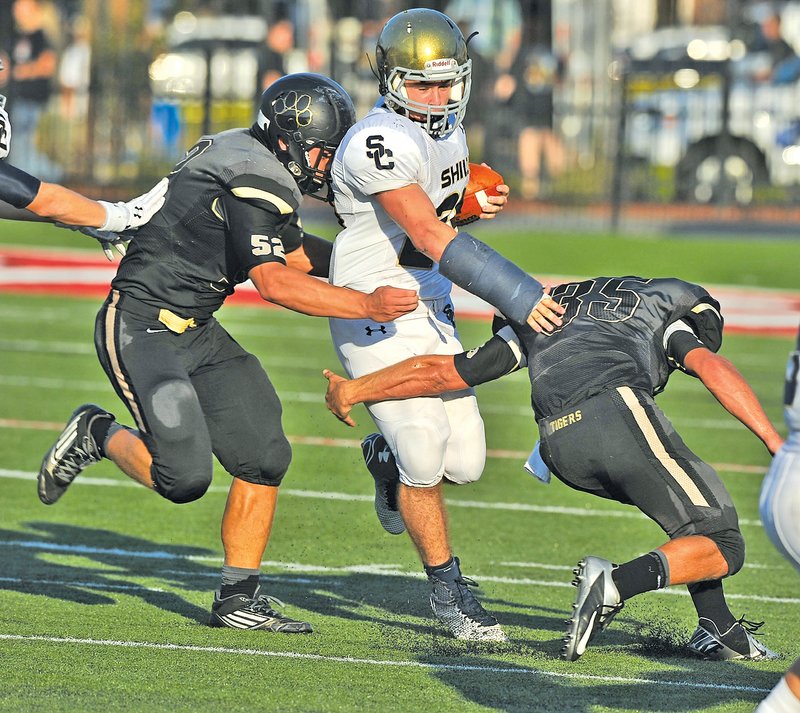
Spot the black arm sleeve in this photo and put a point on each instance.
(680, 340)
(17, 187)
(499, 356)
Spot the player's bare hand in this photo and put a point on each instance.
(494, 204)
(335, 397)
(388, 303)
(546, 314)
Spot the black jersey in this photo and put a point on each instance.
(231, 205)
(617, 331)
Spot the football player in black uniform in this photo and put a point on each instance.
(593, 381)
(230, 215)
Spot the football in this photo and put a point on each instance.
(483, 182)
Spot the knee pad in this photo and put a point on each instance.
(420, 450)
(179, 442)
(466, 448)
(731, 545)
(184, 490)
(270, 466)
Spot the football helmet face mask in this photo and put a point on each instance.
(298, 114)
(423, 45)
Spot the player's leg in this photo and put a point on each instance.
(637, 458)
(243, 413)
(171, 450)
(465, 457)
(417, 432)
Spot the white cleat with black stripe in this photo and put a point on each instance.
(74, 450)
(242, 612)
(597, 603)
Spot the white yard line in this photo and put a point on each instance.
(525, 670)
(357, 497)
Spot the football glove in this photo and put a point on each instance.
(5, 130)
(126, 216)
(107, 238)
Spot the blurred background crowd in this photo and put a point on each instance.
(607, 108)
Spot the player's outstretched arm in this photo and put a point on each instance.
(300, 292)
(731, 389)
(416, 376)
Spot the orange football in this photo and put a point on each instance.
(483, 182)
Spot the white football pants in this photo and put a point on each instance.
(431, 437)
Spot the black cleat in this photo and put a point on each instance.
(383, 468)
(708, 643)
(74, 450)
(242, 612)
(597, 603)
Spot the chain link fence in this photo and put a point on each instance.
(662, 140)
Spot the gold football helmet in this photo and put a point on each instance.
(424, 45)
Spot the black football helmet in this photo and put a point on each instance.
(300, 112)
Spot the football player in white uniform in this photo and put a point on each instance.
(398, 179)
(780, 513)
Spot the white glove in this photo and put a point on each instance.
(126, 216)
(5, 133)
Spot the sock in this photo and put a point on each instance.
(448, 572)
(644, 574)
(238, 580)
(709, 601)
(101, 429)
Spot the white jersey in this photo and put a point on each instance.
(386, 151)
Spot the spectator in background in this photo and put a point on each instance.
(33, 69)
(492, 50)
(272, 57)
(782, 64)
(74, 71)
(528, 88)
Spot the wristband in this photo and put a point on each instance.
(117, 216)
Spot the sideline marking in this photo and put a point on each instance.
(376, 662)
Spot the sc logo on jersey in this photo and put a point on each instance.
(378, 151)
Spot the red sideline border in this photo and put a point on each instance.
(84, 274)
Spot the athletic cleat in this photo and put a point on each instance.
(458, 609)
(383, 468)
(708, 643)
(74, 450)
(597, 603)
(242, 612)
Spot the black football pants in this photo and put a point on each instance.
(191, 395)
